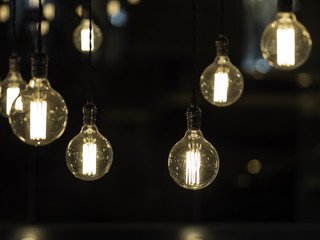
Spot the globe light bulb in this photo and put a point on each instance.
(39, 114)
(81, 33)
(193, 162)
(89, 155)
(286, 44)
(11, 86)
(221, 83)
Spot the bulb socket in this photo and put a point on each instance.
(89, 113)
(14, 63)
(222, 45)
(285, 5)
(39, 65)
(194, 118)
(85, 10)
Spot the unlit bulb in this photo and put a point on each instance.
(286, 44)
(39, 114)
(221, 83)
(11, 87)
(193, 162)
(89, 155)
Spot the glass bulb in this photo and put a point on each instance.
(221, 83)
(89, 155)
(39, 114)
(286, 44)
(11, 87)
(193, 162)
(81, 36)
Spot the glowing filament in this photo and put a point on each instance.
(221, 85)
(193, 167)
(12, 94)
(38, 119)
(85, 39)
(89, 158)
(286, 47)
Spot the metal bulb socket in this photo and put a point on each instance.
(194, 118)
(89, 114)
(222, 45)
(39, 65)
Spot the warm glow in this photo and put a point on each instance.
(89, 158)
(49, 11)
(221, 85)
(34, 3)
(45, 27)
(85, 39)
(113, 7)
(12, 94)
(254, 166)
(4, 12)
(79, 10)
(133, 1)
(38, 119)
(193, 167)
(286, 46)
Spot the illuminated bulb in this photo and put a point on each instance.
(113, 7)
(193, 162)
(4, 12)
(39, 114)
(89, 155)
(221, 83)
(49, 10)
(82, 31)
(11, 87)
(286, 43)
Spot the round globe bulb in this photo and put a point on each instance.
(193, 162)
(39, 114)
(81, 36)
(286, 44)
(12, 85)
(89, 155)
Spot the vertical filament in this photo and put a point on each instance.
(221, 85)
(38, 119)
(193, 167)
(89, 158)
(12, 94)
(85, 39)
(286, 46)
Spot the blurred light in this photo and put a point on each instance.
(119, 19)
(113, 7)
(262, 66)
(4, 12)
(34, 3)
(6, 1)
(248, 66)
(244, 181)
(49, 11)
(29, 233)
(195, 233)
(78, 10)
(45, 27)
(304, 79)
(254, 166)
(133, 2)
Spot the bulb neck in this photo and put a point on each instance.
(222, 45)
(39, 65)
(193, 118)
(89, 114)
(285, 5)
(14, 63)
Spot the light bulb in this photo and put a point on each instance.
(39, 114)
(286, 44)
(89, 155)
(81, 34)
(193, 162)
(221, 83)
(11, 86)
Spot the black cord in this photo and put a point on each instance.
(221, 16)
(194, 96)
(14, 35)
(90, 94)
(39, 43)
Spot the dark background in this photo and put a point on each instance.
(142, 79)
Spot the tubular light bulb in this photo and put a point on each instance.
(82, 31)
(39, 114)
(11, 87)
(221, 83)
(193, 162)
(89, 155)
(286, 44)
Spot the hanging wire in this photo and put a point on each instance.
(194, 43)
(221, 17)
(14, 35)
(39, 43)
(90, 94)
